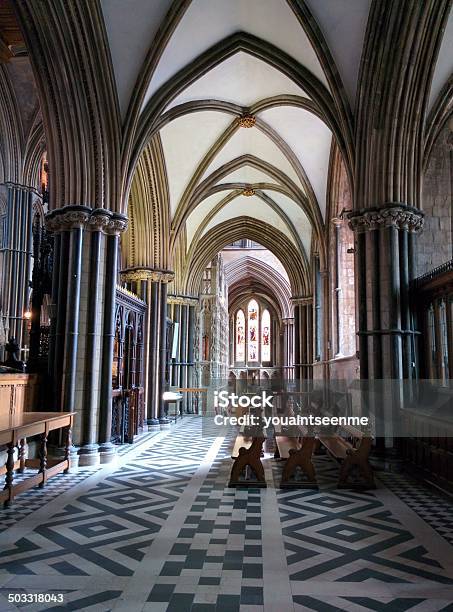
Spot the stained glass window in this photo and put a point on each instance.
(252, 331)
(240, 336)
(266, 336)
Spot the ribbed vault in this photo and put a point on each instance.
(202, 252)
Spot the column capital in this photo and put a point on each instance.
(147, 274)
(395, 214)
(94, 219)
(305, 300)
(117, 224)
(183, 300)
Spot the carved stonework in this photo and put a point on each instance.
(248, 192)
(97, 219)
(182, 300)
(302, 301)
(117, 225)
(247, 121)
(147, 274)
(393, 215)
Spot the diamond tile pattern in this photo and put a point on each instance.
(341, 550)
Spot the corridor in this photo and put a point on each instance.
(159, 530)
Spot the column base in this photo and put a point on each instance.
(164, 423)
(89, 455)
(107, 452)
(153, 424)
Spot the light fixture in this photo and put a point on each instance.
(27, 315)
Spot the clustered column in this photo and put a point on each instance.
(288, 347)
(384, 261)
(183, 312)
(303, 337)
(82, 324)
(153, 285)
(15, 258)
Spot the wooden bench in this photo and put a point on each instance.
(247, 470)
(299, 471)
(351, 448)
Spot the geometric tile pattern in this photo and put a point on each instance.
(37, 498)
(105, 531)
(344, 550)
(429, 504)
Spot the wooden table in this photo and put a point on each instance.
(14, 429)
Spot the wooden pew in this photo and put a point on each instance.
(351, 448)
(247, 470)
(300, 459)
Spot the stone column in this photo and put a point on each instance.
(303, 337)
(98, 222)
(83, 292)
(16, 253)
(382, 236)
(384, 270)
(287, 357)
(161, 355)
(155, 338)
(116, 225)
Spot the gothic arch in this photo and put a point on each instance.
(225, 233)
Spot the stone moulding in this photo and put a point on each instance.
(396, 215)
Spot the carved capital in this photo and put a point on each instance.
(183, 300)
(305, 300)
(148, 274)
(116, 225)
(393, 215)
(99, 219)
(133, 276)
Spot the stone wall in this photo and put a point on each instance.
(434, 244)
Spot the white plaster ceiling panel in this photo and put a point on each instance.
(248, 175)
(199, 214)
(310, 139)
(296, 215)
(131, 27)
(252, 206)
(206, 22)
(444, 65)
(254, 142)
(185, 141)
(241, 79)
(343, 24)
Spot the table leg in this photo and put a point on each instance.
(9, 477)
(22, 456)
(43, 458)
(68, 446)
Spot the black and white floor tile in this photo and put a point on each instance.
(162, 531)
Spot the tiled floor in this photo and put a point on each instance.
(161, 531)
